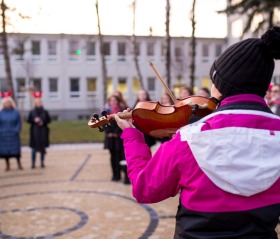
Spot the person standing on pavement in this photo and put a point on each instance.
(113, 141)
(226, 166)
(38, 119)
(10, 127)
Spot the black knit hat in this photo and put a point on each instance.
(247, 66)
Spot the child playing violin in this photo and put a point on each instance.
(226, 166)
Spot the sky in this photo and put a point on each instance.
(79, 17)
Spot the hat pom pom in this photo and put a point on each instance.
(271, 38)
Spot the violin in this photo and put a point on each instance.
(158, 120)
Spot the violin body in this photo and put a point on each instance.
(161, 121)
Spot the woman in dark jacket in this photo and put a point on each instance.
(39, 119)
(112, 141)
(10, 126)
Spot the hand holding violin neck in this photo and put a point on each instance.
(125, 115)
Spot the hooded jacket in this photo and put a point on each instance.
(226, 168)
(10, 126)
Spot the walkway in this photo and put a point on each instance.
(73, 198)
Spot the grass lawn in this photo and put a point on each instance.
(76, 131)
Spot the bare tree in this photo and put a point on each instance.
(193, 46)
(135, 48)
(4, 42)
(4, 8)
(101, 49)
(168, 43)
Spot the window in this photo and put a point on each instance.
(20, 84)
(3, 84)
(151, 83)
(90, 48)
(52, 48)
(218, 50)
(37, 84)
(52, 51)
(53, 87)
(136, 84)
(20, 87)
(122, 85)
(36, 48)
(178, 53)
(151, 86)
(73, 47)
(74, 50)
(74, 87)
(137, 49)
(205, 53)
(107, 50)
(121, 51)
(19, 50)
(91, 87)
(150, 49)
(91, 84)
(110, 86)
(90, 51)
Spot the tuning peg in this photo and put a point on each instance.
(104, 113)
(95, 116)
(100, 129)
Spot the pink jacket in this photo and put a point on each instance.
(227, 161)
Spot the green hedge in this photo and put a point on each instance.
(76, 131)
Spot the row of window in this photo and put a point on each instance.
(75, 49)
(74, 85)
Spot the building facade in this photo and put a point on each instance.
(68, 69)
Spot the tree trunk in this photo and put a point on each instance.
(193, 47)
(6, 50)
(134, 43)
(101, 49)
(168, 43)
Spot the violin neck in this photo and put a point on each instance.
(127, 115)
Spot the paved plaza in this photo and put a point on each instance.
(73, 197)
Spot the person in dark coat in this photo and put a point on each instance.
(39, 119)
(10, 126)
(113, 141)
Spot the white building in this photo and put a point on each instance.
(68, 70)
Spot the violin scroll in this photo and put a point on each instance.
(104, 121)
(99, 122)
